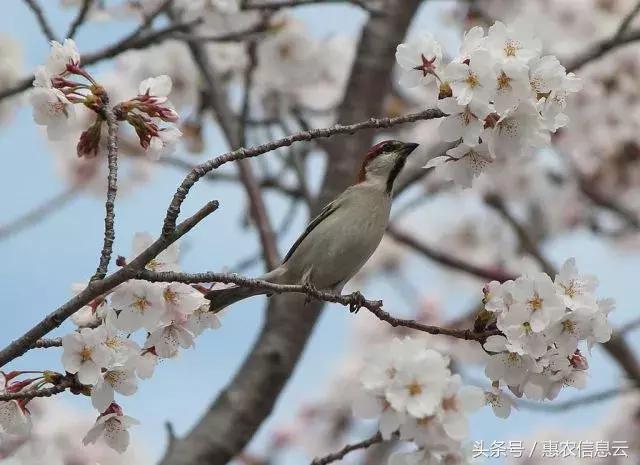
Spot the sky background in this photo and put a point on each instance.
(39, 265)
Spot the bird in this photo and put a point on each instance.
(338, 242)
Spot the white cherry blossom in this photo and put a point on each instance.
(464, 122)
(14, 419)
(140, 304)
(113, 428)
(419, 60)
(61, 55)
(463, 163)
(52, 109)
(85, 354)
(115, 379)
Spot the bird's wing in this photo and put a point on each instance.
(326, 212)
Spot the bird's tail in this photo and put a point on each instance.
(221, 298)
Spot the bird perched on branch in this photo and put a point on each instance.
(340, 240)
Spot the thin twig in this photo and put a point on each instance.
(354, 301)
(112, 188)
(42, 20)
(199, 171)
(573, 403)
(626, 21)
(526, 241)
(43, 392)
(601, 48)
(99, 287)
(80, 18)
(39, 213)
(375, 439)
(447, 260)
(278, 4)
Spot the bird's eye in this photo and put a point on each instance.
(388, 148)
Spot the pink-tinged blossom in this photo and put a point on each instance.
(419, 60)
(62, 55)
(52, 109)
(473, 80)
(113, 428)
(14, 419)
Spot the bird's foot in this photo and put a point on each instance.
(357, 301)
(310, 290)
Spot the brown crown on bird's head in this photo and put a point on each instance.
(385, 159)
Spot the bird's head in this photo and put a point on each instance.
(383, 163)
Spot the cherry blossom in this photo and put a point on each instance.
(139, 303)
(420, 60)
(62, 55)
(463, 163)
(113, 428)
(115, 379)
(85, 354)
(543, 324)
(52, 109)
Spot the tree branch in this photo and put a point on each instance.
(626, 21)
(112, 188)
(449, 261)
(42, 20)
(80, 18)
(43, 392)
(601, 48)
(38, 213)
(99, 287)
(526, 241)
(278, 4)
(375, 439)
(240, 154)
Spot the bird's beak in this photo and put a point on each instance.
(408, 148)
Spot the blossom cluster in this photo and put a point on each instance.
(412, 391)
(56, 92)
(502, 98)
(104, 356)
(543, 324)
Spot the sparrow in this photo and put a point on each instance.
(340, 240)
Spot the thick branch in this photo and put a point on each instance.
(99, 287)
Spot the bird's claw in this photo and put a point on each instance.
(309, 290)
(357, 302)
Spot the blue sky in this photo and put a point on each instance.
(39, 265)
